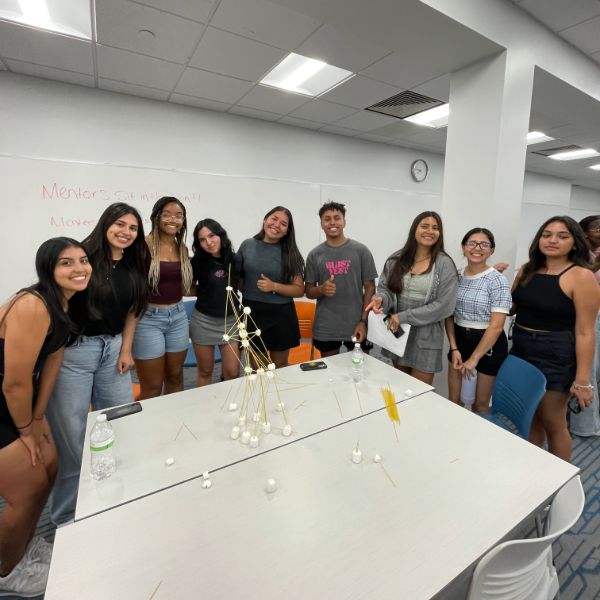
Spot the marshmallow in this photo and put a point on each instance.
(245, 343)
(252, 377)
(258, 332)
(247, 310)
(270, 374)
(260, 371)
(245, 437)
(233, 406)
(408, 392)
(253, 441)
(229, 288)
(248, 370)
(266, 427)
(206, 475)
(256, 418)
(241, 420)
(226, 337)
(241, 326)
(354, 340)
(207, 483)
(280, 406)
(271, 366)
(243, 334)
(235, 433)
(330, 380)
(271, 486)
(169, 461)
(287, 430)
(377, 458)
(356, 456)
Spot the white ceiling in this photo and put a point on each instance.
(211, 54)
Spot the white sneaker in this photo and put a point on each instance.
(27, 580)
(39, 549)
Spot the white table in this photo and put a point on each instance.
(143, 441)
(333, 529)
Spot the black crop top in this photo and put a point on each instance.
(212, 293)
(542, 305)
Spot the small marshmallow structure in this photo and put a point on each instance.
(247, 310)
(409, 392)
(233, 406)
(235, 433)
(377, 458)
(245, 437)
(356, 456)
(271, 366)
(253, 441)
(271, 486)
(169, 461)
(287, 430)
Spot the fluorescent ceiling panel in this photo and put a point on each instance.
(596, 167)
(69, 17)
(537, 137)
(306, 76)
(434, 117)
(575, 154)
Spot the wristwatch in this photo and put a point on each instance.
(363, 321)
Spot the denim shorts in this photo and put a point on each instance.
(161, 329)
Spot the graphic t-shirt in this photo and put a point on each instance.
(351, 264)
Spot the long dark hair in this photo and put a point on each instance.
(292, 260)
(586, 222)
(100, 290)
(401, 262)
(201, 260)
(48, 290)
(580, 255)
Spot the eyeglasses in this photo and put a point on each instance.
(171, 218)
(482, 245)
(595, 230)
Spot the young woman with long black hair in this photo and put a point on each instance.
(556, 299)
(95, 367)
(273, 271)
(215, 266)
(419, 286)
(34, 328)
(162, 334)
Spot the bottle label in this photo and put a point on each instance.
(103, 445)
(356, 362)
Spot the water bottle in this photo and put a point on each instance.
(102, 438)
(358, 358)
(468, 388)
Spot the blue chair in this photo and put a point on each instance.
(190, 357)
(518, 390)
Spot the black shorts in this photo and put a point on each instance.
(468, 339)
(278, 324)
(552, 352)
(329, 346)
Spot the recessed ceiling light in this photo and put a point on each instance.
(69, 17)
(306, 76)
(537, 137)
(434, 117)
(575, 154)
(596, 167)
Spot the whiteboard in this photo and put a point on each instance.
(44, 198)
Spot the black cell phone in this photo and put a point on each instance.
(574, 405)
(398, 333)
(313, 365)
(122, 411)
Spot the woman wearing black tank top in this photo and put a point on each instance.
(556, 299)
(34, 328)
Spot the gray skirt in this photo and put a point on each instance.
(208, 331)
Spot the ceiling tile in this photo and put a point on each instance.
(199, 102)
(340, 130)
(2, 67)
(229, 54)
(45, 48)
(428, 136)
(563, 130)
(300, 123)
(197, 10)
(402, 71)
(398, 129)
(120, 65)
(119, 22)
(432, 149)
(374, 138)
(583, 139)
(585, 36)
(595, 56)
(322, 111)
(254, 114)
(360, 92)
(340, 49)
(544, 122)
(365, 121)
(132, 90)
(555, 15)
(404, 144)
(212, 86)
(264, 22)
(272, 100)
(50, 73)
(438, 88)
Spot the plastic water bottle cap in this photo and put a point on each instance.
(100, 418)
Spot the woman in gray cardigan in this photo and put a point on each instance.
(418, 286)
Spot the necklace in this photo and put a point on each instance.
(116, 262)
(169, 247)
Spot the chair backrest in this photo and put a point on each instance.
(189, 307)
(523, 569)
(517, 392)
(306, 318)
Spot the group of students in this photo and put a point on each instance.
(115, 300)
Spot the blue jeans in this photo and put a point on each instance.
(88, 374)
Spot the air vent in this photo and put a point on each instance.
(404, 105)
(551, 151)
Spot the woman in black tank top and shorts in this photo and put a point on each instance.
(556, 300)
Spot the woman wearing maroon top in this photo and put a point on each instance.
(162, 335)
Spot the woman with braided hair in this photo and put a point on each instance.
(162, 334)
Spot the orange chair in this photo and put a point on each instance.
(137, 390)
(306, 351)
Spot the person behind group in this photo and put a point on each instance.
(587, 422)
(556, 299)
(476, 330)
(162, 334)
(215, 266)
(419, 286)
(95, 368)
(34, 328)
(273, 272)
(340, 275)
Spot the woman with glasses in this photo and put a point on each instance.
(476, 330)
(162, 334)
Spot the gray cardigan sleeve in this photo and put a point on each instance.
(389, 298)
(443, 306)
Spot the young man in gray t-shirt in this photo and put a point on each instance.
(340, 275)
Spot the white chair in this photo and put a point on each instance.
(523, 569)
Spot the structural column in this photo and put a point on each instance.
(490, 104)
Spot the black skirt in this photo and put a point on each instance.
(278, 324)
(467, 339)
